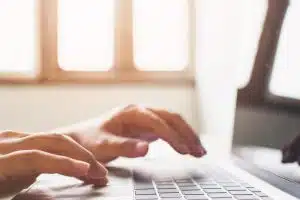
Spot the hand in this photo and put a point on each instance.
(23, 157)
(127, 133)
(291, 151)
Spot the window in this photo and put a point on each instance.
(249, 19)
(96, 40)
(286, 70)
(161, 40)
(274, 72)
(18, 36)
(85, 40)
(228, 34)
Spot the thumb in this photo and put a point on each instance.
(116, 146)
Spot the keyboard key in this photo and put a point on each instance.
(246, 185)
(174, 190)
(246, 197)
(166, 179)
(164, 183)
(214, 190)
(219, 195)
(203, 179)
(234, 188)
(196, 197)
(266, 198)
(260, 194)
(183, 180)
(229, 184)
(253, 189)
(192, 192)
(224, 182)
(189, 188)
(146, 197)
(144, 192)
(166, 187)
(222, 179)
(206, 182)
(170, 195)
(143, 186)
(245, 192)
(179, 198)
(186, 184)
(211, 187)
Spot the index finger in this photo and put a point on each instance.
(185, 130)
(35, 162)
(56, 144)
(150, 122)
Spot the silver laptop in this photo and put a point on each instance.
(165, 175)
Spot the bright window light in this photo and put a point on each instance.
(86, 34)
(18, 36)
(161, 34)
(286, 71)
(250, 19)
(228, 34)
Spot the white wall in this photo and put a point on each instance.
(38, 108)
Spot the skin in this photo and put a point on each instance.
(291, 151)
(79, 150)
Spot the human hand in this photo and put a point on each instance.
(23, 157)
(291, 151)
(127, 132)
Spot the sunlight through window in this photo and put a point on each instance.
(161, 34)
(250, 17)
(86, 35)
(228, 34)
(286, 70)
(18, 36)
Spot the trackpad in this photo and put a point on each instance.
(53, 187)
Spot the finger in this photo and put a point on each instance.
(56, 144)
(290, 151)
(150, 122)
(96, 182)
(7, 135)
(187, 134)
(114, 146)
(31, 162)
(298, 160)
(288, 156)
(16, 185)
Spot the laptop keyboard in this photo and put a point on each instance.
(214, 184)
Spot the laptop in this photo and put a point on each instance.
(223, 175)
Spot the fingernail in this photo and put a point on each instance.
(184, 149)
(96, 172)
(81, 168)
(102, 168)
(201, 150)
(100, 182)
(141, 148)
(97, 182)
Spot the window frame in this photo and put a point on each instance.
(124, 70)
(256, 93)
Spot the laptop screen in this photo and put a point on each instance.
(268, 107)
